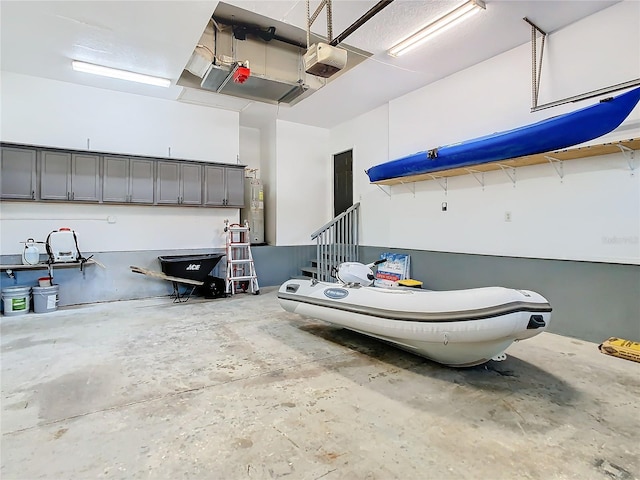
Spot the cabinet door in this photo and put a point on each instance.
(168, 184)
(85, 178)
(235, 187)
(18, 172)
(115, 182)
(214, 194)
(141, 181)
(191, 184)
(55, 179)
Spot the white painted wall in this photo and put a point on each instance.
(56, 114)
(269, 179)
(593, 214)
(136, 228)
(304, 182)
(250, 149)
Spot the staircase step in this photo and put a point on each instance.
(311, 270)
(327, 265)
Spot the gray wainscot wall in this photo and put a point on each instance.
(116, 281)
(591, 301)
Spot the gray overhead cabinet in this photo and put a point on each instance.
(49, 174)
(18, 173)
(179, 183)
(223, 186)
(127, 180)
(70, 176)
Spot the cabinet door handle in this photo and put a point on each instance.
(68, 196)
(33, 194)
(73, 195)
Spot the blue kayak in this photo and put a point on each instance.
(545, 136)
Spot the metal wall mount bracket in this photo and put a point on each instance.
(558, 166)
(412, 190)
(630, 156)
(475, 173)
(510, 172)
(442, 181)
(383, 190)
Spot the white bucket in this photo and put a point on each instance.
(16, 300)
(45, 299)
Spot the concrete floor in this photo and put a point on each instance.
(239, 389)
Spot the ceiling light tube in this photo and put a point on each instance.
(436, 27)
(120, 74)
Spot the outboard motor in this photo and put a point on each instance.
(357, 273)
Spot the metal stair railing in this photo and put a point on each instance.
(337, 242)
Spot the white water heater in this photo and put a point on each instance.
(253, 211)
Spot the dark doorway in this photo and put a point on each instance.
(342, 181)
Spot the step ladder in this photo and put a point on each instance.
(241, 271)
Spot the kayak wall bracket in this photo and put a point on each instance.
(558, 166)
(412, 190)
(442, 181)
(383, 190)
(630, 156)
(510, 172)
(475, 174)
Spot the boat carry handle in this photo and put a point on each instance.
(536, 321)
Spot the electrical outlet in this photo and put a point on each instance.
(444, 206)
(507, 216)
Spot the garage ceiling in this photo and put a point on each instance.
(40, 38)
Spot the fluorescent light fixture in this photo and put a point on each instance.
(120, 74)
(438, 26)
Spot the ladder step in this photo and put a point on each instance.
(239, 255)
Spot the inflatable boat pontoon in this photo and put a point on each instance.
(456, 328)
